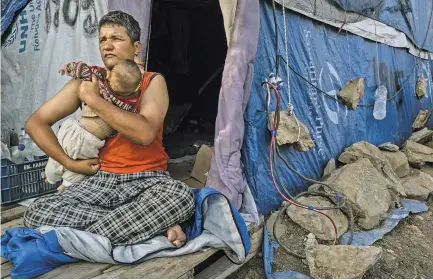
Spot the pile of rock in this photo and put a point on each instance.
(372, 180)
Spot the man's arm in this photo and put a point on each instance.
(38, 126)
(140, 128)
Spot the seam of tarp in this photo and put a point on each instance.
(385, 34)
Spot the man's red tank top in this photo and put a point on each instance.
(122, 156)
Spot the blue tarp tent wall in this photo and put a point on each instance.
(328, 59)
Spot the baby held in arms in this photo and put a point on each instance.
(82, 139)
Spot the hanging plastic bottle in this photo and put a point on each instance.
(379, 110)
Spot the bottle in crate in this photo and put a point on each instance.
(27, 142)
(17, 154)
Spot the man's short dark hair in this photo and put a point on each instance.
(123, 19)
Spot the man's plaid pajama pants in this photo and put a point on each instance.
(125, 208)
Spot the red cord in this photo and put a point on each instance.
(274, 127)
(344, 22)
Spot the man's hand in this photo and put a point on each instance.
(89, 91)
(87, 167)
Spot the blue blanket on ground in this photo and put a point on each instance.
(217, 224)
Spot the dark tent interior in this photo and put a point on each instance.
(188, 46)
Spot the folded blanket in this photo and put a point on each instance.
(217, 224)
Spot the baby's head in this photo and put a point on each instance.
(125, 77)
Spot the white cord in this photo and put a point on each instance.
(377, 48)
(290, 107)
(286, 54)
(268, 97)
(348, 47)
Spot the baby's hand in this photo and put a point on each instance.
(67, 69)
(62, 71)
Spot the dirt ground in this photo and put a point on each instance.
(407, 252)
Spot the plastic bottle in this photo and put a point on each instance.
(5, 135)
(13, 138)
(26, 142)
(379, 110)
(17, 154)
(37, 152)
(5, 151)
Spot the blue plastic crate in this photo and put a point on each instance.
(25, 180)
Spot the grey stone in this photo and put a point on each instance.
(340, 261)
(422, 136)
(365, 189)
(310, 241)
(319, 225)
(317, 188)
(329, 168)
(288, 131)
(280, 228)
(418, 185)
(427, 169)
(399, 162)
(388, 146)
(429, 144)
(420, 87)
(417, 154)
(352, 93)
(421, 119)
(380, 162)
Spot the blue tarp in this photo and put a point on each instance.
(9, 8)
(268, 260)
(367, 238)
(413, 17)
(319, 53)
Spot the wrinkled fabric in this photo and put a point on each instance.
(217, 224)
(32, 253)
(228, 8)
(41, 40)
(125, 208)
(412, 17)
(9, 8)
(225, 172)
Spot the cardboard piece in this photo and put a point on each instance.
(193, 183)
(202, 164)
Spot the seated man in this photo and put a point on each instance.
(130, 197)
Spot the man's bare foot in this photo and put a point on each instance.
(61, 188)
(176, 236)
